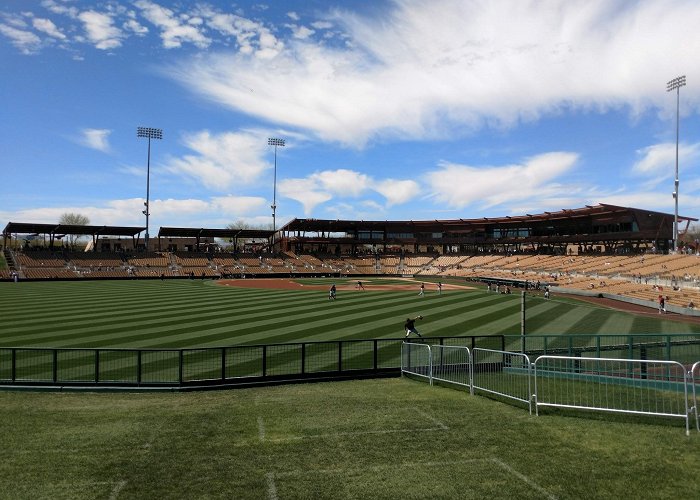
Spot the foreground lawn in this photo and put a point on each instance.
(393, 438)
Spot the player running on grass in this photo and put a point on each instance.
(410, 326)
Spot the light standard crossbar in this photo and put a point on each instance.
(676, 85)
(149, 133)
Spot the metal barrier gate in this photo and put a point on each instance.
(503, 373)
(641, 387)
(416, 360)
(452, 364)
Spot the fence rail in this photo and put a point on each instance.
(504, 374)
(640, 387)
(656, 388)
(232, 365)
(673, 347)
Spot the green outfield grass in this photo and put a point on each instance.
(379, 439)
(196, 313)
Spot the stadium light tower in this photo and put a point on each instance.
(274, 142)
(149, 133)
(676, 85)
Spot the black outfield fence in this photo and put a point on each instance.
(211, 366)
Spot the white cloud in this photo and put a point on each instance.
(233, 206)
(222, 160)
(173, 32)
(301, 32)
(660, 159)
(101, 30)
(324, 186)
(26, 41)
(459, 186)
(95, 138)
(134, 26)
(341, 182)
(48, 27)
(293, 16)
(305, 191)
(448, 67)
(397, 192)
(188, 212)
(322, 25)
(58, 8)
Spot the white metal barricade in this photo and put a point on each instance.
(452, 364)
(643, 387)
(416, 360)
(506, 374)
(695, 381)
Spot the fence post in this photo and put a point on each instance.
(223, 364)
(430, 363)
(643, 367)
(376, 355)
(340, 355)
(55, 365)
(303, 358)
(522, 322)
(14, 365)
(630, 348)
(97, 366)
(264, 361)
(180, 365)
(138, 367)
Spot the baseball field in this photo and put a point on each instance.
(204, 313)
(387, 438)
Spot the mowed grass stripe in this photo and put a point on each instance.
(195, 313)
(325, 321)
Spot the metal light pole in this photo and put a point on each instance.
(150, 133)
(676, 85)
(274, 142)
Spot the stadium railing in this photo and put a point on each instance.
(671, 347)
(209, 367)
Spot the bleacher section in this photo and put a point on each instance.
(643, 277)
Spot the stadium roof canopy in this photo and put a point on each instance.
(63, 229)
(337, 225)
(191, 232)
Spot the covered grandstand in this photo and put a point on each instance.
(603, 228)
(602, 249)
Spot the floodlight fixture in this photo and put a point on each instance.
(273, 141)
(676, 85)
(148, 133)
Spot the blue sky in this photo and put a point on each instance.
(400, 109)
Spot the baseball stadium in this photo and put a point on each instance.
(540, 346)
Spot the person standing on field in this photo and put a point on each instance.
(422, 290)
(410, 326)
(331, 292)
